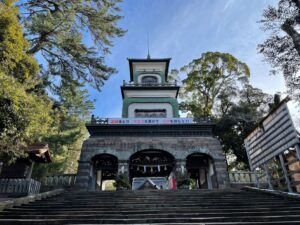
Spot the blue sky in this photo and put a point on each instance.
(183, 30)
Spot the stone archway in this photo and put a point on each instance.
(104, 167)
(200, 168)
(151, 163)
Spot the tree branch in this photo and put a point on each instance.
(290, 30)
(297, 3)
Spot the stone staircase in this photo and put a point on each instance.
(156, 207)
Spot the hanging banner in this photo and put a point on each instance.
(150, 121)
(275, 134)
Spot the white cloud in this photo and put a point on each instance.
(228, 4)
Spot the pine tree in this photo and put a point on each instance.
(73, 37)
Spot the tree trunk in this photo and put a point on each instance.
(289, 29)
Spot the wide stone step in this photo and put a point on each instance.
(162, 207)
(48, 221)
(156, 205)
(147, 215)
(153, 199)
(218, 223)
(171, 201)
(177, 210)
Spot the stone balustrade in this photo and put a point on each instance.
(245, 177)
(62, 180)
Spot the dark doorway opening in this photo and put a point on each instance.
(151, 163)
(201, 169)
(105, 167)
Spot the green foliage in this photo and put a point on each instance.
(65, 141)
(13, 46)
(186, 182)
(21, 117)
(282, 48)
(232, 127)
(217, 86)
(55, 29)
(122, 182)
(208, 77)
(22, 110)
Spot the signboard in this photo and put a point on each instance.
(275, 134)
(150, 121)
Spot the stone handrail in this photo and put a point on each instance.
(246, 177)
(19, 186)
(63, 180)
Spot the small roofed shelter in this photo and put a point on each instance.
(22, 168)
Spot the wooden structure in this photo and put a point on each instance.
(16, 178)
(273, 146)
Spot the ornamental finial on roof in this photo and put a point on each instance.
(148, 56)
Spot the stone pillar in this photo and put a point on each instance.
(221, 173)
(123, 167)
(83, 175)
(209, 174)
(123, 170)
(180, 167)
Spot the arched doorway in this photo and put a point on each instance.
(200, 168)
(151, 163)
(105, 167)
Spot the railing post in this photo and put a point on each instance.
(288, 182)
(29, 186)
(250, 177)
(29, 173)
(256, 179)
(268, 177)
(297, 151)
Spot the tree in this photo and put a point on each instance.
(282, 48)
(208, 77)
(217, 86)
(73, 37)
(241, 117)
(55, 30)
(15, 61)
(21, 117)
(22, 110)
(69, 131)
